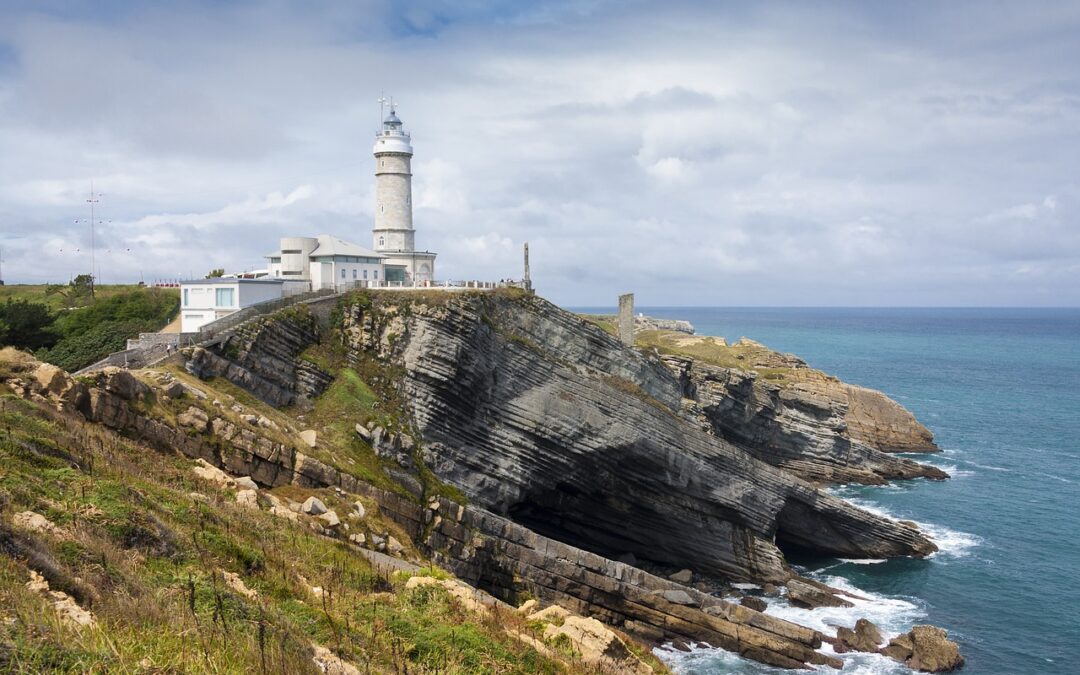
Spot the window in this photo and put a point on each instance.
(223, 297)
(382, 209)
(365, 274)
(186, 303)
(382, 241)
(376, 274)
(342, 272)
(354, 274)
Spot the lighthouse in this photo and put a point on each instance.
(393, 234)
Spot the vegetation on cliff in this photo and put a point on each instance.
(116, 557)
(71, 329)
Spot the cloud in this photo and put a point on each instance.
(694, 153)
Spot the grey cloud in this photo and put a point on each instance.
(695, 153)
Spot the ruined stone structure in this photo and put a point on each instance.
(626, 319)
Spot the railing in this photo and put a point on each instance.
(214, 328)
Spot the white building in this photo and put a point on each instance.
(206, 300)
(326, 262)
(393, 235)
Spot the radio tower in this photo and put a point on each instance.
(92, 200)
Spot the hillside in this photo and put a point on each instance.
(155, 563)
(511, 444)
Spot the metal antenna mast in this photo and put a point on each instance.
(93, 200)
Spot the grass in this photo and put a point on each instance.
(745, 355)
(37, 293)
(143, 544)
(606, 321)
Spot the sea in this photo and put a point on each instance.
(1000, 389)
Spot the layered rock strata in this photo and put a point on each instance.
(805, 427)
(261, 356)
(484, 549)
(546, 419)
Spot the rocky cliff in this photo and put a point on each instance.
(546, 419)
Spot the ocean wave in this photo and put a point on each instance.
(870, 561)
(951, 543)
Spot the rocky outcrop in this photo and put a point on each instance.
(926, 648)
(483, 548)
(546, 419)
(803, 427)
(261, 356)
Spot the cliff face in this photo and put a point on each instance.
(544, 418)
(821, 430)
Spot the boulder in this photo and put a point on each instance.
(927, 649)
(330, 518)
(174, 389)
(865, 638)
(597, 644)
(309, 436)
(51, 379)
(35, 522)
(394, 546)
(528, 607)
(208, 471)
(313, 506)
(358, 510)
(246, 483)
(193, 418)
(682, 577)
(122, 383)
(803, 594)
(248, 498)
(359, 539)
(756, 604)
(363, 432)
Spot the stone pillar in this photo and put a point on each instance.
(526, 280)
(626, 319)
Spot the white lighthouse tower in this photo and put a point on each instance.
(393, 234)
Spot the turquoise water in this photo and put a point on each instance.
(1000, 389)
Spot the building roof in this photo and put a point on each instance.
(329, 245)
(230, 280)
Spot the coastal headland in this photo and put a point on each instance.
(519, 447)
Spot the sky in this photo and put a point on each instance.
(709, 154)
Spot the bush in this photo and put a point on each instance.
(26, 325)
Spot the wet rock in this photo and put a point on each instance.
(682, 577)
(803, 594)
(927, 649)
(865, 638)
(756, 604)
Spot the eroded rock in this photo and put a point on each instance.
(927, 649)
